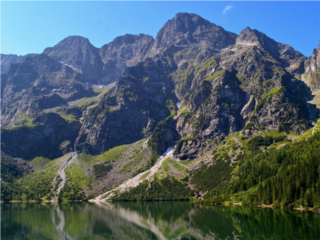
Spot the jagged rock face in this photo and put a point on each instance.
(47, 138)
(141, 97)
(186, 30)
(254, 93)
(36, 84)
(121, 53)
(312, 70)
(79, 54)
(213, 111)
(8, 59)
(102, 65)
(283, 53)
(217, 108)
(284, 109)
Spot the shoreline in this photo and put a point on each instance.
(224, 204)
(259, 206)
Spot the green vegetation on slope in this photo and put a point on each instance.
(286, 177)
(159, 189)
(39, 184)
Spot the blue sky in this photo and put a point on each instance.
(30, 27)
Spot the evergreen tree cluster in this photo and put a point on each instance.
(285, 177)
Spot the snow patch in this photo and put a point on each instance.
(167, 151)
(178, 105)
(100, 85)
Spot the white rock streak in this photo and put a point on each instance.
(135, 181)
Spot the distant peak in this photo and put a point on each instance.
(130, 38)
(76, 39)
(190, 17)
(249, 36)
(68, 43)
(183, 22)
(247, 29)
(250, 31)
(186, 15)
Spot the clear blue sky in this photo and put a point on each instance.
(30, 27)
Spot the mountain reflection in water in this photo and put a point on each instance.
(153, 220)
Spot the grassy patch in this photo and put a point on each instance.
(144, 175)
(39, 162)
(215, 75)
(112, 155)
(68, 117)
(38, 184)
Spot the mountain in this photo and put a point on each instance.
(37, 84)
(123, 52)
(103, 65)
(8, 59)
(190, 30)
(79, 54)
(203, 101)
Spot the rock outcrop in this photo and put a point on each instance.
(312, 70)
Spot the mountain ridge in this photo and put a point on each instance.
(215, 98)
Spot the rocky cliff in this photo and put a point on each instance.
(312, 70)
(129, 111)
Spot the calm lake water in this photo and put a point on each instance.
(153, 220)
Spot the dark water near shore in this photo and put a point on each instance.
(153, 220)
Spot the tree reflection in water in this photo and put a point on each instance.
(153, 220)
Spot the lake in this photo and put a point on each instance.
(153, 220)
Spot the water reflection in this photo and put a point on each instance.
(153, 220)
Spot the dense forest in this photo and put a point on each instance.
(287, 177)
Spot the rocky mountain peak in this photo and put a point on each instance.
(71, 42)
(249, 37)
(283, 53)
(188, 30)
(8, 59)
(124, 51)
(24, 74)
(78, 53)
(187, 22)
(129, 39)
(42, 63)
